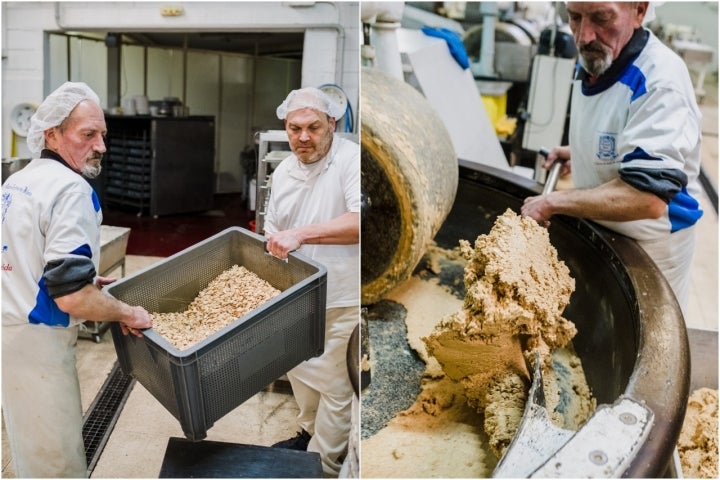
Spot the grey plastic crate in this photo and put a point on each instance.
(201, 384)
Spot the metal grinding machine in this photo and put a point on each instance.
(631, 336)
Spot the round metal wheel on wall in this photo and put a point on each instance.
(409, 180)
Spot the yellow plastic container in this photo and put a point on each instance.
(495, 105)
(496, 108)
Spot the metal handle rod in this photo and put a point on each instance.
(552, 177)
(553, 174)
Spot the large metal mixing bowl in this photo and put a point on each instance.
(631, 337)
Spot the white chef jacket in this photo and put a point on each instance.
(305, 195)
(55, 214)
(647, 119)
(300, 196)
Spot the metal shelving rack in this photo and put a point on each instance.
(268, 142)
(129, 168)
(273, 148)
(159, 165)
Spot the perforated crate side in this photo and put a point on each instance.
(201, 384)
(250, 250)
(262, 349)
(171, 284)
(149, 364)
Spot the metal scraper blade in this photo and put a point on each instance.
(537, 438)
(603, 448)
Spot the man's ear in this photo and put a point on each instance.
(331, 122)
(51, 137)
(641, 9)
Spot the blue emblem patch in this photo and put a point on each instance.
(606, 147)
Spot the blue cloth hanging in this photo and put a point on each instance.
(454, 43)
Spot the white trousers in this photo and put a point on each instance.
(41, 401)
(323, 391)
(674, 258)
(351, 464)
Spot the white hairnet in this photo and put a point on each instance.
(650, 14)
(310, 97)
(54, 109)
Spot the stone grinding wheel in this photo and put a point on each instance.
(409, 180)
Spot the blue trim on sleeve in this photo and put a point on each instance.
(46, 310)
(95, 201)
(684, 211)
(635, 79)
(83, 250)
(638, 154)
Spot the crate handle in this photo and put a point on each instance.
(270, 254)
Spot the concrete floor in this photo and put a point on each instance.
(702, 308)
(136, 447)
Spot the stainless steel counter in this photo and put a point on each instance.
(113, 246)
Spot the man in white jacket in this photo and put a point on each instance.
(634, 139)
(314, 209)
(50, 254)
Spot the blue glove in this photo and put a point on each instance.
(454, 42)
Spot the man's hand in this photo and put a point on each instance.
(280, 244)
(139, 320)
(537, 208)
(560, 154)
(100, 282)
(341, 230)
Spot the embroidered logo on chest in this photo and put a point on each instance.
(606, 147)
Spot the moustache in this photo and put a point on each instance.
(95, 156)
(592, 47)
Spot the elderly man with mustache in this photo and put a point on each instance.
(50, 254)
(634, 139)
